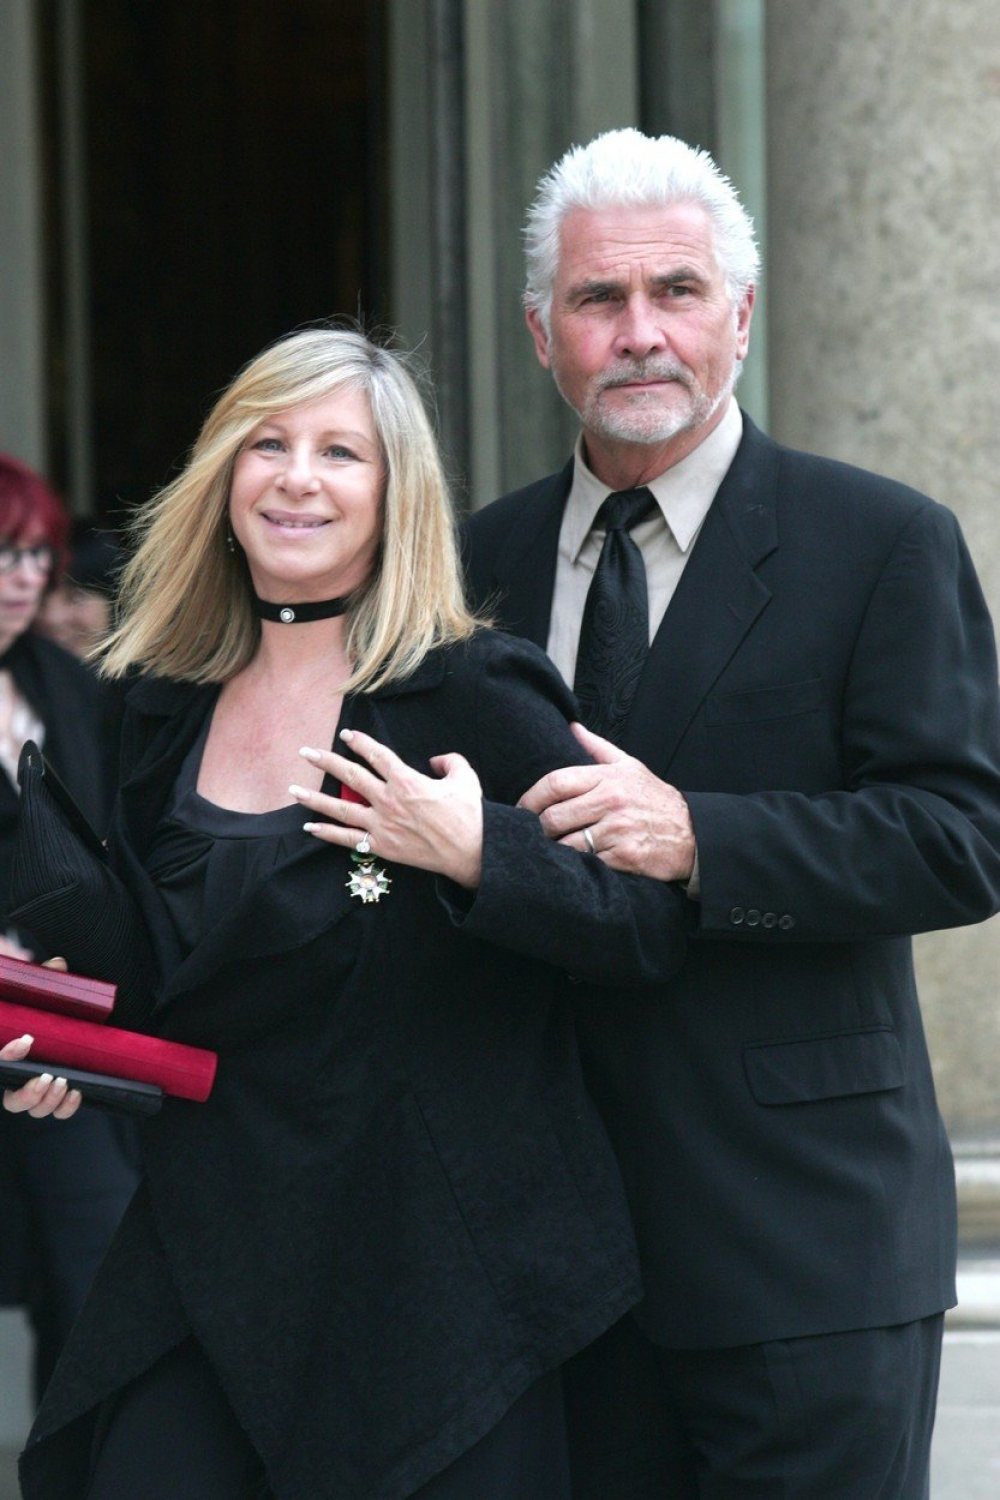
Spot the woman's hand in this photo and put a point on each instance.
(41, 1096)
(433, 823)
(44, 1095)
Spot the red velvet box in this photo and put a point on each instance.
(48, 989)
(184, 1071)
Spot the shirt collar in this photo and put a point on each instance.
(684, 493)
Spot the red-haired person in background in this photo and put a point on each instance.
(62, 1192)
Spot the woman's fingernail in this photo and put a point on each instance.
(42, 1081)
(299, 791)
(347, 734)
(309, 753)
(60, 1083)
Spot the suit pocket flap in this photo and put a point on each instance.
(825, 1067)
(781, 701)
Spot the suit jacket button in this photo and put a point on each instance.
(785, 921)
(736, 915)
(753, 917)
(769, 919)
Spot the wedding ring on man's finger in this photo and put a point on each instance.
(588, 839)
(364, 844)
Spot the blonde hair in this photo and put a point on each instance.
(185, 598)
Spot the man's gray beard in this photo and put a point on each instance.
(650, 425)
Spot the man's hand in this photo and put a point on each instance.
(636, 823)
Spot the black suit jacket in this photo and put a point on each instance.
(823, 689)
(72, 705)
(398, 1206)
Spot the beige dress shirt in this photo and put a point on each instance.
(684, 496)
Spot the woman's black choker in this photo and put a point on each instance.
(301, 614)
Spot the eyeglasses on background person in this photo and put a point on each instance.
(42, 555)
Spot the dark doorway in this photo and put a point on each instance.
(233, 183)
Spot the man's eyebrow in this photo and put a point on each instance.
(679, 276)
(590, 289)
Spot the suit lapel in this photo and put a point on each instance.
(716, 602)
(525, 565)
(167, 718)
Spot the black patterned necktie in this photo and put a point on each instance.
(614, 635)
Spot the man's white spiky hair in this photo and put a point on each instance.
(627, 168)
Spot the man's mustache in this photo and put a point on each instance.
(639, 371)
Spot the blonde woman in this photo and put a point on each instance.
(354, 1271)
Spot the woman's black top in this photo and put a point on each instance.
(204, 858)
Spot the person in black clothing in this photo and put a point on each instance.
(804, 735)
(356, 1269)
(76, 612)
(62, 1192)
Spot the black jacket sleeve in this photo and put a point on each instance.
(537, 897)
(911, 841)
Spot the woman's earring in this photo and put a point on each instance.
(230, 539)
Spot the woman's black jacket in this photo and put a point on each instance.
(398, 1207)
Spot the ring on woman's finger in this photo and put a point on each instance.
(588, 839)
(364, 844)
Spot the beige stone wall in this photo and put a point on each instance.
(884, 317)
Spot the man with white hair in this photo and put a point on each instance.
(792, 673)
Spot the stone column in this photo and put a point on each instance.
(883, 130)
(22, 401)
(538, 76)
